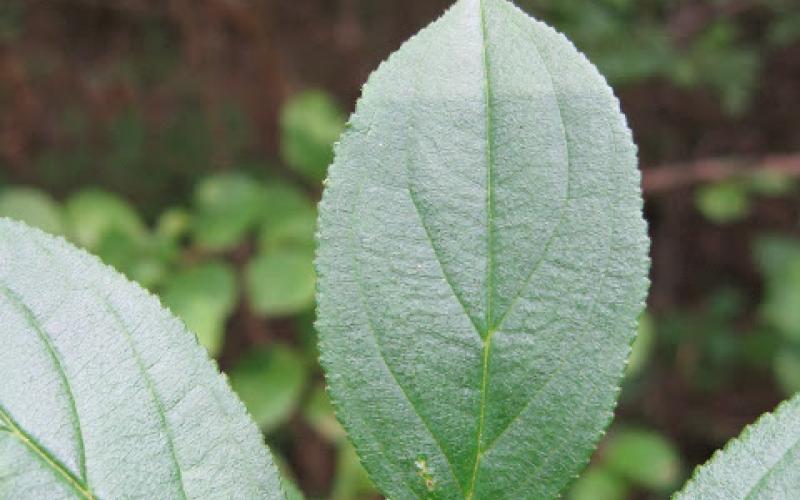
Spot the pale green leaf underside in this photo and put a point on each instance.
(482, 260)
(104, 394)
(763, 463)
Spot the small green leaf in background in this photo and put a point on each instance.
(598, 484)
(281, 282)
(642, 346)
(292, 491)
(717, 59)
(293, 231)
(144, 258)
(94, 214)
(174, 223)
(787, 370)
(281, 201)
(227, 206)
(270, 382)
(763, 462)
(724, 202)
(779, 261)
(770, 183)
(350, 480)
(203, 297)
(310, 123)
(318, 412)
(34, 208)
(644, 458)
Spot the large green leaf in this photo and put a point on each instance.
(104, 394)
(482, 260)
(762, 463)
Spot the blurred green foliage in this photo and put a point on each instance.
(34, 207)
(630, 458)
(631, 41)
(310, 124)
(270, 382)
(724, 202)
(643, 458)
(731, 200)
(204, 295)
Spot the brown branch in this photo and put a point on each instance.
(666, 178)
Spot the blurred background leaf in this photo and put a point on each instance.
(281, 282)
(310, 123)
(33, 207)
(226, 208)
(203, 296)
(96, 216)
(270, 382)
(644, 459)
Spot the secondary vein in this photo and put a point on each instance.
(151, 389)
(44, 456)
(756, 488)
(373, 329)
(34, 323)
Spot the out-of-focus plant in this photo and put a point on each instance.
(270, 382)
(310, 123)
(731, 200)
(203, 296)
(634, 41)
(779, 261)
(628, 459)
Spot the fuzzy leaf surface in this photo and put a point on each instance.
(482, 260)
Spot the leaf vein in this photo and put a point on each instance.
(150, 388)
(564, 363)
(373, 331)
(52, 353)
(45, 456)
(770, 470)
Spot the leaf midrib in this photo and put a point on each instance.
(487, 337)
(492, 328)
